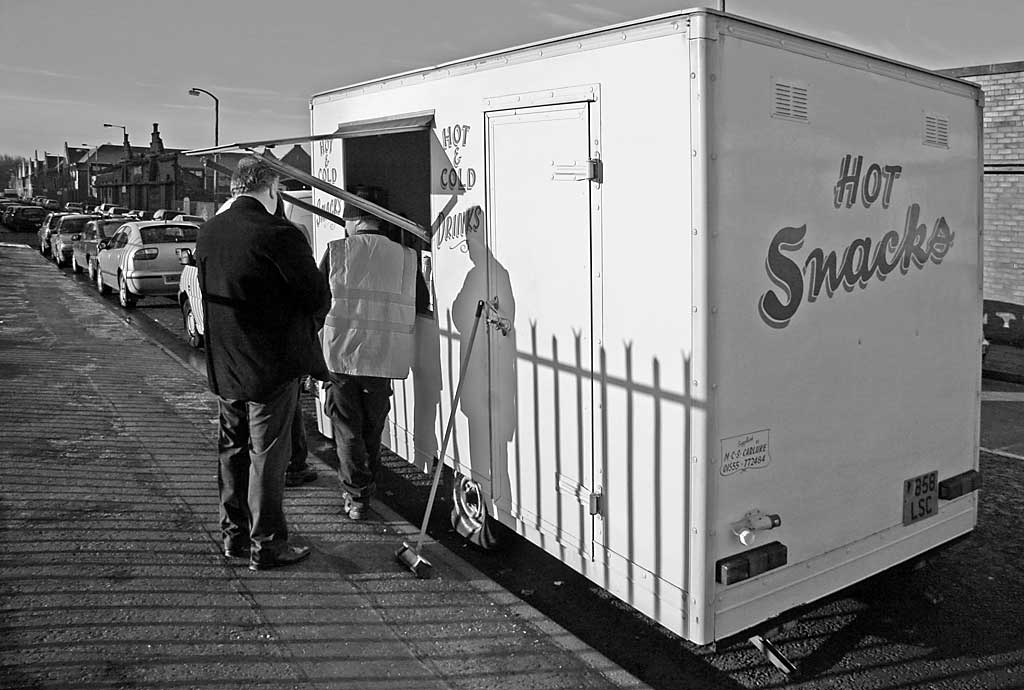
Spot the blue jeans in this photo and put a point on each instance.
(358, 407)
(254, 448)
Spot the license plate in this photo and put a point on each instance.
(170, 280)
(920, 497)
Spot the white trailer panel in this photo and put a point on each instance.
(706, 301)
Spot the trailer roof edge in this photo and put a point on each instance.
(634, 23)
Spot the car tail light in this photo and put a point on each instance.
(145, 254)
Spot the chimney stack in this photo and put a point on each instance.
(156, 145)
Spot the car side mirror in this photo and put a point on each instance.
(185, 257)
(102, 244)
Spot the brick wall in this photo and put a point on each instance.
(1003, 85)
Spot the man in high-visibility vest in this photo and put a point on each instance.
(367, 341)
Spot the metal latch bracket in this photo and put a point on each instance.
(589, 170)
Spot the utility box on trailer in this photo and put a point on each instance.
(732, 357)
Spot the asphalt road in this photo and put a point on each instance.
(956, 623)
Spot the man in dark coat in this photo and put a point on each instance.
(262, 294)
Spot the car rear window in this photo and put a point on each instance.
(73, 224)
(33, 212)
(109, 227)
(158, 234)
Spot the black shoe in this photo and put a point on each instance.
(286, 556)
(299, 478)
(236, 550)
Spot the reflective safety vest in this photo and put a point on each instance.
(369, 329)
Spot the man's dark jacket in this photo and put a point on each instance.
(262, 295)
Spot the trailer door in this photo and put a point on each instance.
(539, 272)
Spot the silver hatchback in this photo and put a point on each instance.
(142, 260)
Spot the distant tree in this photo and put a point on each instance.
(8, 164)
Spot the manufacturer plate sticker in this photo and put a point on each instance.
(745, 452)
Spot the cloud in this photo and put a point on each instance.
(577, 16)
(262, 93)
(42, 100)
(37, 72)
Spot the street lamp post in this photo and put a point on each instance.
(127, 146)
(195, 91)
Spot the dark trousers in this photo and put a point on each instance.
(254, 449)
(358, 407)
(300, 446)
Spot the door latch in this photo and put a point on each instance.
(577, 171)
(495, 319)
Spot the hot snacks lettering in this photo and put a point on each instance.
(860, 262)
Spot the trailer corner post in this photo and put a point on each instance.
(700, 619)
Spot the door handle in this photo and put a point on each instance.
(495, 319)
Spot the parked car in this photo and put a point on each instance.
(142, 259)
(73, 207)
(166, 213)
(8, 214)
(84, 249)
(45, 230)
(26, 218)
(188, 219)
(108, 209)
(68, 229)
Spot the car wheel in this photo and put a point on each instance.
(55, 256)
(100, 285)
(469, 515)
(188, 317)
(124, 295)
(42, 248)
(75, 268)
(92, 269)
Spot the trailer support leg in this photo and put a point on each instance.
(772, 653)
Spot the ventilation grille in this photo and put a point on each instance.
(936, 130)
(789, 101)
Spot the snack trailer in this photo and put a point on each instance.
(732, 276)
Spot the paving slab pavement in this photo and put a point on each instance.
(110, 568)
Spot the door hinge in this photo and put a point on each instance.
(589, 170)
(596, 503)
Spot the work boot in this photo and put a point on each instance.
(355, 510)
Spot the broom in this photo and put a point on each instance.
(408, 556)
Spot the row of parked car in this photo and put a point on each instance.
(27, 215)
(137, 258)
(142, 258)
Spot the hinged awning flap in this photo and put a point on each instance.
(224, 170)
(348, 197)
(393, 124)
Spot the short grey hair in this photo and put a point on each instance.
(252, 175)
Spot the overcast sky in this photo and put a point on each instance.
(68, 66)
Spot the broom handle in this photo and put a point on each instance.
(451, 425)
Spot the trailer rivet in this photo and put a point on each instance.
(695, 310)
(713, 77)
(695, 383)
(694, 152)
(693, 75)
